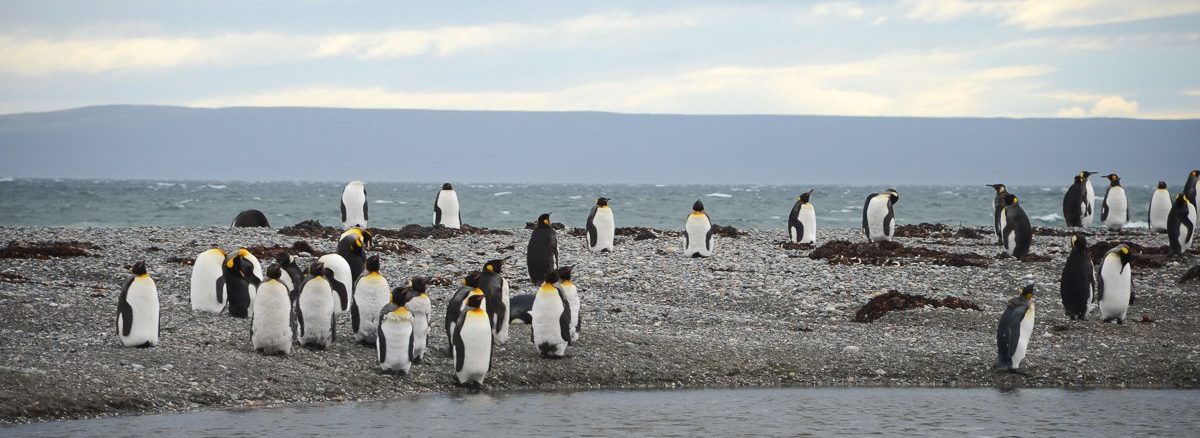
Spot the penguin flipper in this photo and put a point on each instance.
(564, 320)
(889, 227)
(300, 320)
(1100, 286)
(592, 234)
(355, 319)
(459, 348)
(221, 289)
(343, 205)
(381, 342)
(366, 217)
(708, 236)
(866, 222)
(412, 335)
(437, 212)
(1104, 206)
(126, 313)
(341, 292)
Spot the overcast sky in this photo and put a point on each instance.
(1077, 58)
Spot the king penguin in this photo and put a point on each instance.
(879, 216)
(698, 233)
(271, 326)
(1089, 199)
(472, 343)
(542, 253)
(371, 293)
(1116, 284)
(1074, 206)
(137, 310)
(342, 281)
(394, 335)
(997, 206)
(208, 282)
(292, 275)
(600, 227)
(1181, 224)
(1160, 208)
(495, 289)
(1015, 224)
(1115, 211)
(551, 316)
(571, 293)
(250, 219)
(315, 308)
(1078, 283)
(802, 221)
(354, 205)
(1191, 186)
(422, 313)
(445, 208)
(1014, 330)
(458, 301)
(241, 282)
(352, 246)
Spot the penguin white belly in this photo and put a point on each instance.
(206, 270)
(1184, 232)
(1089, 204)
(397, 332)
(808, 217)
(605, 230)
(354, 199)
(252, 289)
(447, 202)
(1160, 208)
(370, 294)
(142, 297)
(502, 334)
(1117, 209)
(877, 211)
(1026, 333)
(571, 293)
(697, 234)
(421, 308)
(316, 305)
(476, 337)
(547, 328)
(341, 274)
(1117, 284)
(271, 328)
(1010, 239)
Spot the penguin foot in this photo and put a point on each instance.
(148, 344)
(418, 360)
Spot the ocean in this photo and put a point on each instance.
(123, 203)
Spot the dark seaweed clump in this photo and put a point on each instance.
(896, 301)
(937, 231)
(841, 252)
(47, 250)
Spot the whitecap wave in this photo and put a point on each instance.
(575, 197)
(501, 193)
(1048, 218)
(719, 195)
(384, 201)
(215, 186)
(6, 179)
(505, 212)
(165, 184)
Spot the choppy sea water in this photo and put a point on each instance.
(119, 203)
(709, 412)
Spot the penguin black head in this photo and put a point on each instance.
(419, 284)
(274, 271)
(1027, 291)
(999, 188)
(1113, 178)
(139, 268)
(1162, 185)
(373, 263)
(1181, 200)
(602, 202)
(246, 269)
(316, 269)
(1010, 199)
(495, 266)
(285, 259)
(804, 197)
(1078, 242)
(894, 194)
(564, 273)
(551, 277)
(543, 220)
(1123, 252)
(447, 186)
(698, 207)
(1086, 174)
(1079, 179)
(1194, 173)
(400, 296)
(474, 301)
(471, 279)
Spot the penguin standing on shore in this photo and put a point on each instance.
(571, 293)
(445, 208)
(601, 228)
(457, 302)
(241, 282)
(1191, 187)
(879, 216)
(1089, 198)
(997, 205)
(495, 289)
(422, 313)
(352, 246)
(292, 275)
(271, 326)
(1116, 284)
(208, 281)
(698, 233)
(472, 343)
(342, 281)
(371, 293)
(1015, 330)
(551, 316)
(354, 205)
(137, 310)
(1160, 208)
(542, 253)
(395, 335)
(1078, 283)
(1115, 211)
(1074, 206)
(315, 308)
(802, 221)
(1181, 225)
(1015, 224)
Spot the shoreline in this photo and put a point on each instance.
(754, 315)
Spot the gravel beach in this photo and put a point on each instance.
(757, 313)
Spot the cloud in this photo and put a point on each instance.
(1101, 106)
(824, 12)
(1040, 14)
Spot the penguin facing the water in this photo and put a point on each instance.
(1115, 211)
(1078, 283)
(1074, 206)
(495, 289)
(371, 293)
(250, 218)
(354, 205)
(601, 228)
(698, 233)
(802, 221)
(1089, 198)
(472, 343)
(998, 205)
(137, 310)
(551, 316)
(271, 327)
(1015, 330)
(241, 282)
(342, 281)
(879, 217)
(315, 308)
(1181, 224)
(542, 253)
(1116, 284)
(445, 208)
(1015, 225)
(1160, 208)
(208, 281)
